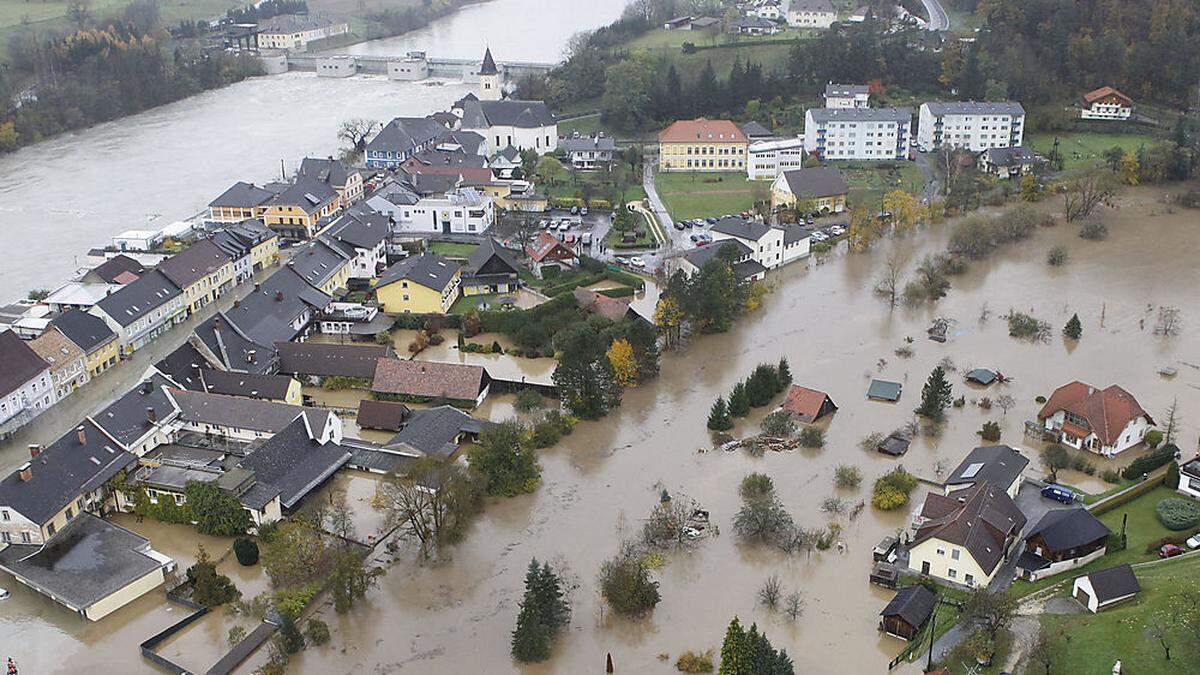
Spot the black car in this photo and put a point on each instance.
(710, 220)
(679, 225)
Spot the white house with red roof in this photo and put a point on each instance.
(1105, 421)
(1106, 103)
(547, 251)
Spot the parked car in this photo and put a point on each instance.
(703, 242)
(574, 210)
(1194, 541)
(4, 594)
(838, 230)
(694, 237)
(637, 261)
(587, 238)
(809, 221)
(818, 236)
(1170, 551)
(543, 224)
(564, 226)
(679, 225)
(710, 220)
(1059, 494)
(583, 211)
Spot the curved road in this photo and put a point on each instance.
(937, 15)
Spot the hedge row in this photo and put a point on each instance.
(622, 292)
(593, 203)
(1121, 498)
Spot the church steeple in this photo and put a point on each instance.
(489, 78)
(489, 64)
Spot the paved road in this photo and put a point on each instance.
(937, 15)
(925, 163)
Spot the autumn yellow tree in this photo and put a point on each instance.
(624, 364)
(8, 137)
(754, 296)
(864, 230)
(906, 211)
(1029, 188)
(1130, 169)
(668, 316)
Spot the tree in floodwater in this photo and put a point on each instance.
(544, 613)
(1073, 330)
(434, 502)
(936, 395)
(584, 375)
(718, 416)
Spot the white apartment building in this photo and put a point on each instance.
(971, 125)
(765, 160)
(847, 95)
(811, 14)
(858, 133)
(460, 210)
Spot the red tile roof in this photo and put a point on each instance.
(598, 303)
(1102, 92)
(702, 130)
(805, 403)
(544, 245)
(1107, 411)
(429, 379)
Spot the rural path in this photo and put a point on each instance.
(656, 202)
(938, 20)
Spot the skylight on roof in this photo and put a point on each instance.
(971, 470)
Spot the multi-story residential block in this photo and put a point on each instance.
(401, 139)
(765, 160)
(811, 14)
(251, 245)
(293, 32)
(91, 335)
(858, 133)
(322, 265)
(347, 182)
(26, 387)
(68, 370)
(142, 310)
(847, 95)
(702, 145)
(971, 125)
(360, 234)
(770, 245)
(432, 203)
(202, 271)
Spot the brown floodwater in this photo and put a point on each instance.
(456, 617)
(599, 482)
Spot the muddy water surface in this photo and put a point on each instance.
(456, 617)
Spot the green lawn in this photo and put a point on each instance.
(647, 240)
(1092, 643)
(1142, 528)
(699, 195)
(868, 183)
(451, 249)
(584, 126)
(1081, 149)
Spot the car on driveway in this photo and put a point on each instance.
(1170, 551)
(1194, 541)
(1059, 494)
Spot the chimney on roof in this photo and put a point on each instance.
(35, 449)
(252, 355)
(81, 433)
(278, 296)
(257, 287)
(25, 472)
(1091, 390)
(151, 415)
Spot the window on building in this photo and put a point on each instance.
(954, 554)
(969, 578)
(25, 538)
(51, 529)
(952, 573)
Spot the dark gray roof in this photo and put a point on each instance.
(1011, 156)
(457, 158)
(138, 298)
(238, 240)
(223, 343)
(242, 413)
(594, 143)
(404, 134)
(331, 171)
(702, 254)
(307, 193)
(506, 113)
(981, 375)
(980, 519)
(1064, 529)
(63, 471)
(294, 23)
(127, 419)
(997, 465)
(194, 263)
(861, 114)
(845, 90)
(117, 265)
(1114, 582)
(914, 604)
(181, 366)
(320, 359)
(486, 251)
(386, 415)
(373, 458)
(746, 269)
(18, 363)
(754, 129)
(488, 67)
(432, 430)
(89, 560)
(823, 181)
(794, 232)
(357, 230)
(975, 108)
(428, 269)
(86, 331)
(811, 6)
(249, 385)
(294, 462)
(317, 262)
(243, 195)
(884, 389)
(751, 22)
(743, 228)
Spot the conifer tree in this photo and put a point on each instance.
(734, 657)
(936, 396)
(718, 417)
(739, 401)
(544, 612)
(784, 374)
(1073, 329)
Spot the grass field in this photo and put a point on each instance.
(699, 195)
(1082, 149)
(1092, 643)
(869, 183)
(451, 249)
(1143, 527)
(674, 39)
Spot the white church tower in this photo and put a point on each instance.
(489, 79)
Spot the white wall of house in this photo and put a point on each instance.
(768, 250)
(1064, 565)
(807, 19)
(1131, 435)
(867, 140)
(975, 132)
(948, 561)
(1106, 111)
(1088, 595)
(542, 139)
(765, 160)
(842, 102)
(34, 396)
(454, 212)
(1189, 486)
(797, 250)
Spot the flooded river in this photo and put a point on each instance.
(602, 480)
(64, 196)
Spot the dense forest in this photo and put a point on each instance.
(100, 72)
(1044, 53)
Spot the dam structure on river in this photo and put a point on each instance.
(412, 66)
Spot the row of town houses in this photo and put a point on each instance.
(847, 128)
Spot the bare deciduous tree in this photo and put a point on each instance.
(794, 605)
(888, 284)
(433, 503)
(1085, 194)
(354, 132)
(1006, 402)
(1169, 321)
(770, 592)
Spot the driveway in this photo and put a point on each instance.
(932, 186)
(937, 15)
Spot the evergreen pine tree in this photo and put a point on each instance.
(1073, 329)
(785, 374)
(739, 401)
(718, 417)
(783, 664)
(760, 387)
(734, 657)
(555, 611)
(936, 396)
(762, 655)
(290, 638)
(531, 638)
